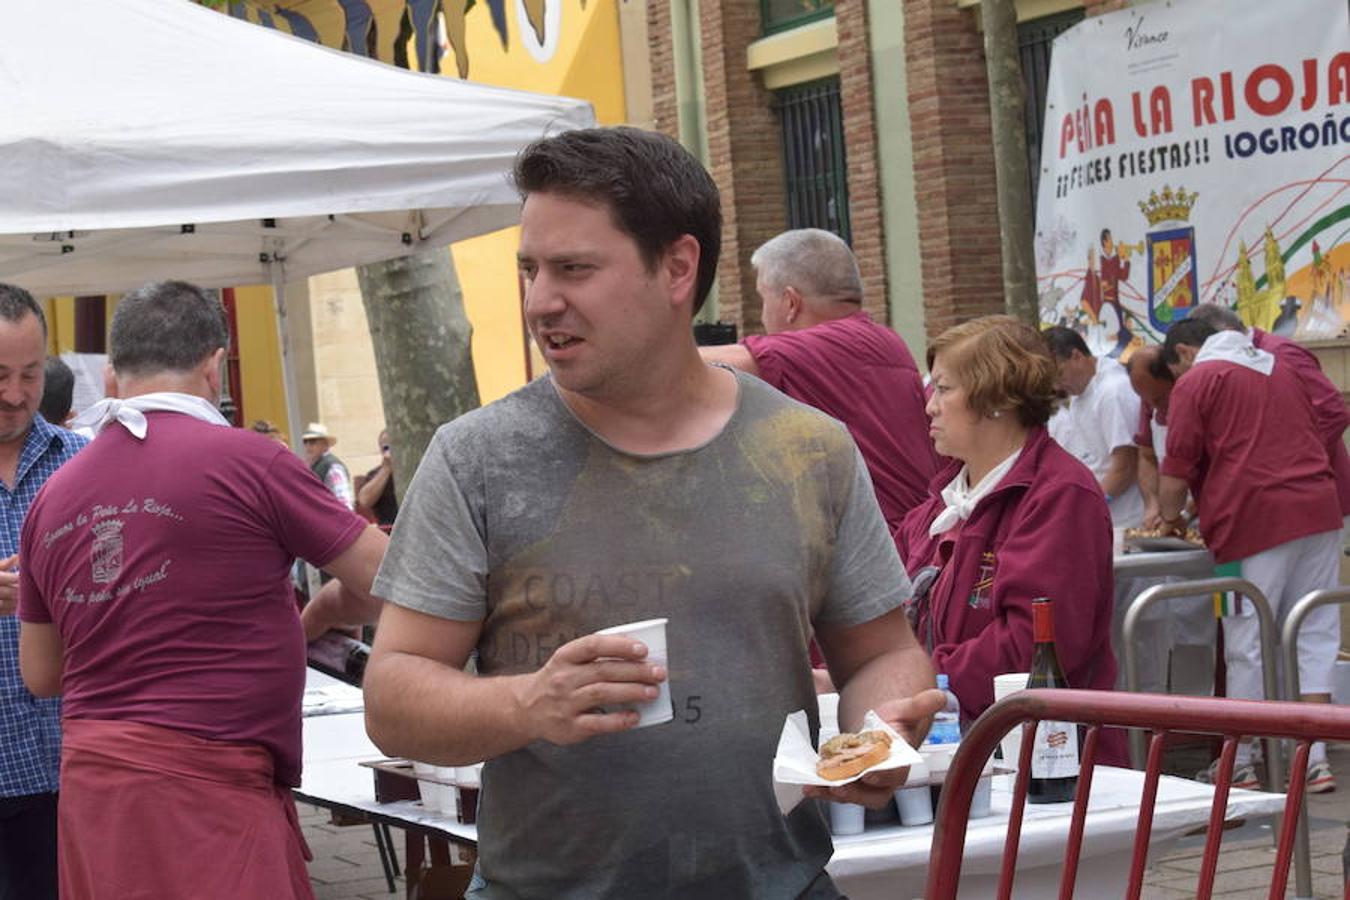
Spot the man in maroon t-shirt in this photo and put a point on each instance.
(822, 349)
(1241, 435)
(156, 597)
(1329, 410)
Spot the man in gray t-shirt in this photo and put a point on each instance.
(636, 482)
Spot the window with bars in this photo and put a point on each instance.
(779, 15)
(1035, 40)
(814, 162)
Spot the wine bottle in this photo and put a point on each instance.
(341, 656)
(1054, 757)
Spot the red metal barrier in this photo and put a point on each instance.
(1160, 713)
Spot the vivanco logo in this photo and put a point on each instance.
(1136, 38)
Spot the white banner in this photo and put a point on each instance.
(1197, 151)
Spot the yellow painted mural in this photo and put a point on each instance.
(568, 47)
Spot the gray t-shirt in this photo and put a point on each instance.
(521, 517)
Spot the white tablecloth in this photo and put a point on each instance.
(887, 861)
(891, 861)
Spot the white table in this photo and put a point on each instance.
(891, 861)
(886, 861)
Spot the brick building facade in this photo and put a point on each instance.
(946, 132)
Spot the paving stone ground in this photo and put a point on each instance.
(346, 863)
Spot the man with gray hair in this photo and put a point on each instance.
(821, 348)
(155, 597)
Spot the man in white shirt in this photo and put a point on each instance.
(1098, 424)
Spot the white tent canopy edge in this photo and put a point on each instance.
(175, 142)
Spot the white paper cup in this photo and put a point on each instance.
(847, 818)
(981, 804)
(1012, 741)
(1117, 541)
(652, 632)
(448, 801)
(915, 804)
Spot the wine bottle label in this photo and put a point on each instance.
(1055, 754)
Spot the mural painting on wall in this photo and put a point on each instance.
(1188, 162)
(382, 28)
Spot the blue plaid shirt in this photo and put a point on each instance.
(30, 729)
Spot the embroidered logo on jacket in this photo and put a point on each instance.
(984, 583)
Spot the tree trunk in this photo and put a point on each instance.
(1015, 211)
(415, 310)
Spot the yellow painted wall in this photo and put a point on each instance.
(580, 57)
(259, 357)
(60, 313)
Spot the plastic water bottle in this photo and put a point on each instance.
(946, 728)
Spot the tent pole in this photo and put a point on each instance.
(294, 426)
(292, 394)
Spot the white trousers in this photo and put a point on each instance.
(1285, 574)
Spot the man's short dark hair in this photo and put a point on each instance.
(654, 189)
(1191, 332)
(58, 390)
(166, 326)
(1106, 233)
(1063, 341)
(15, 303)
(1221, 317)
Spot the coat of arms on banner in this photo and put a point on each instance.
(106, 553)
(1173, 285)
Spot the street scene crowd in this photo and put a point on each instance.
(808, 511)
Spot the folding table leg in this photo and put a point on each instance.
(385, 850)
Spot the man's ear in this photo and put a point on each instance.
(681, 268)
(210, 369)
(793, 304)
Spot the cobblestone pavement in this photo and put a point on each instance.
(346, 864)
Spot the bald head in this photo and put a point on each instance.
(804, 277)
(1149, 376)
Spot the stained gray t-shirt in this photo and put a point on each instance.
(522, 518)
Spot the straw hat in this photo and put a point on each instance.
(317, 431)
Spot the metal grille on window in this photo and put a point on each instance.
(814, 160)
(1035, 40)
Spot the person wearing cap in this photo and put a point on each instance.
(332, 471)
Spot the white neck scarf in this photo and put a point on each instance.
(961, 498)
(1235, 347)
(131, 412)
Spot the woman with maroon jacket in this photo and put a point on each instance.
(1011, 518)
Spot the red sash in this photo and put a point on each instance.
(150, 812)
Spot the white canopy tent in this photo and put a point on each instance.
(155, 139)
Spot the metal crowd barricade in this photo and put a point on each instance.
(1293, 623)
(1162, 714)
(1197, 590)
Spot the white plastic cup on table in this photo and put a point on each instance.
(1004, 685)
(448, 804)
(651, 632)
(915, 805)
(847, 818)
(432, 794)
(981, 803)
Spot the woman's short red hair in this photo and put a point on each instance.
(1003, 364)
